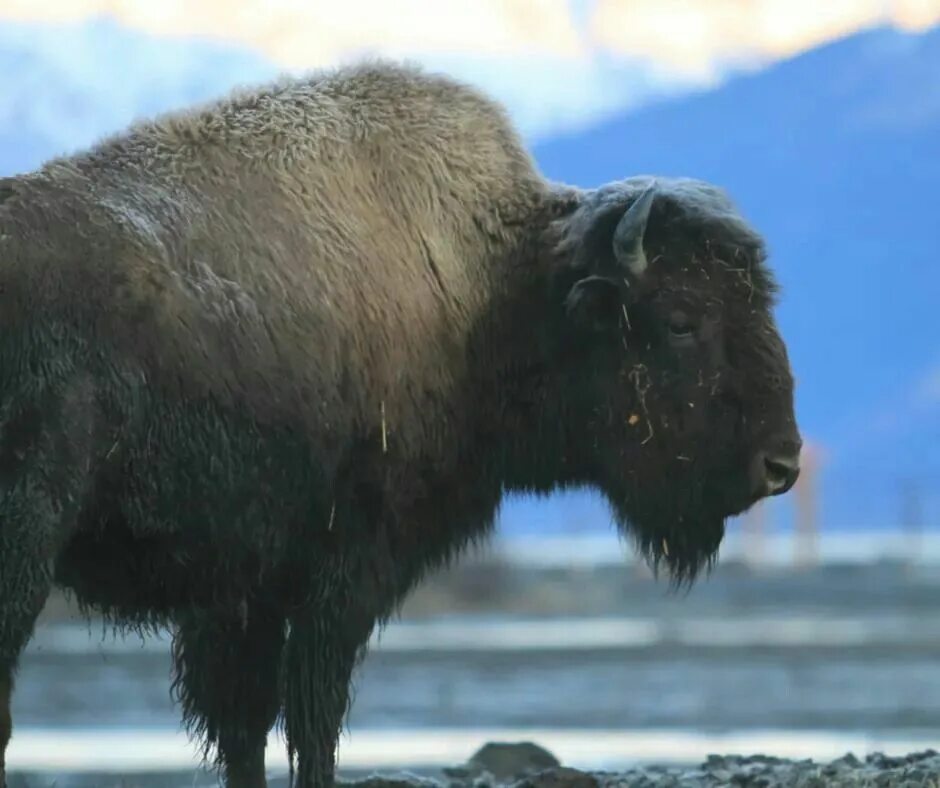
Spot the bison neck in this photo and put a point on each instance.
(497, 429)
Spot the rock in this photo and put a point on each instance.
(509, 760)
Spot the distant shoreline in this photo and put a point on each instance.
(148, 749)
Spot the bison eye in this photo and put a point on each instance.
(681, 329)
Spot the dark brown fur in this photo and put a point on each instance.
(265, 363)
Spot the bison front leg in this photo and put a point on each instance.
(321, 654)
(46, 457)
(227, 681)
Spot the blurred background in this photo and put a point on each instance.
(819, 631)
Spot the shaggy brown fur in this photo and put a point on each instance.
(265, 363)
(215, 225)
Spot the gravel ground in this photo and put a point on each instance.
(492, 767)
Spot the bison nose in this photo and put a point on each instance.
(775, 472)
(780, 472)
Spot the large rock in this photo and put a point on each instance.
(505, 761)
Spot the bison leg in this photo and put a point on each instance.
(226, 679)
(46, 453)
(23, 592)
(320, 657)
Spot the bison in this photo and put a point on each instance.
(266, 362)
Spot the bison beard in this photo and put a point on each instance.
(676, 519)
(266, 364)
(683, 535)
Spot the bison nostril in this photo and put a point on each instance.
(780, 472)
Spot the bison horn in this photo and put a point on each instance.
(628, 237)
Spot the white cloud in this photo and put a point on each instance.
(557, 64)
(698, 36)
(692, 37)
(531, 54)
(310, 33)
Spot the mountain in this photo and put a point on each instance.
(835, 156)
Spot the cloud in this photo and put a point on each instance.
(531, 54)
(692, 37)
(558, 64)
(312, 33)
(540, 69)
(699, 36)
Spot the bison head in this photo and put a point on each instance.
(679, 393)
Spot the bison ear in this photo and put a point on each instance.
(595, 304)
